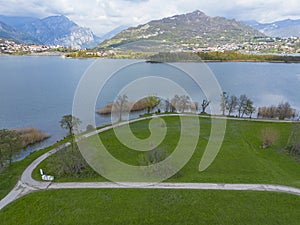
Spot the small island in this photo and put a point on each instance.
(123, 105)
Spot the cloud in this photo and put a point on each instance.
(104, 15)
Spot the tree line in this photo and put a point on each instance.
(282, 111)
(219, 56)
(231, 105)
(241, 105)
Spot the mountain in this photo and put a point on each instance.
(53, 30)
(175, 31)
(283, 28)
(59, 30)
(17, 21)
(9, 32)
(114, 32)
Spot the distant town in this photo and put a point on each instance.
(266, 45)
(12, 47)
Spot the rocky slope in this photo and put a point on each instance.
(195, 27)
(53, 30)
(283, 28)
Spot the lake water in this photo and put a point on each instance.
(38, 91)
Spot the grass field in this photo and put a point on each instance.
(240, 160)
(128, 206)
(10, 175)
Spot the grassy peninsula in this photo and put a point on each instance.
(241, 160)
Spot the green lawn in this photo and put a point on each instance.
(10, 175)
(240, 160)
(137, 206)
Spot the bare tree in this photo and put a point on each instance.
(175, 102)
(167, 105)
(184, 102)
(232, 104)
(120, 105)
(241, 107)
(196, 107)
(249, 109)
(224, 100)
(284, 110)
(204, 105)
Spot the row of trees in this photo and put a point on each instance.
(241, 105)
(178, 103)
(183, 103)
(282, 111)
(230, 105)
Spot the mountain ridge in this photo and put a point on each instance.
(9, 32)
(194, 27)
(282, 28)
(53, 30)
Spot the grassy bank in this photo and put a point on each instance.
(240, 160)
(137, 206)
(11, 174)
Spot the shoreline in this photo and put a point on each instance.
(62, 55)
(179, 61)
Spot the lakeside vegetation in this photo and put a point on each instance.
(226, 56)
(213, 56)
(30, 135)
(13, 141)
(141, 206)
(9, 175)
(123, 105)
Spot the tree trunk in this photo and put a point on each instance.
(10, 154)
(1, 162)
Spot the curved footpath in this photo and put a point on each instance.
(27, 184)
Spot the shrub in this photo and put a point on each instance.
(269, 137)
(30, 135)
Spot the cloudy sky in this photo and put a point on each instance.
(104, 15)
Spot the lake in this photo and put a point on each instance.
(38, 91)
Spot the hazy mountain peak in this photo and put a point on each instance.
(283, 28)
(9, 32)
(53, 30)
(195, 27)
